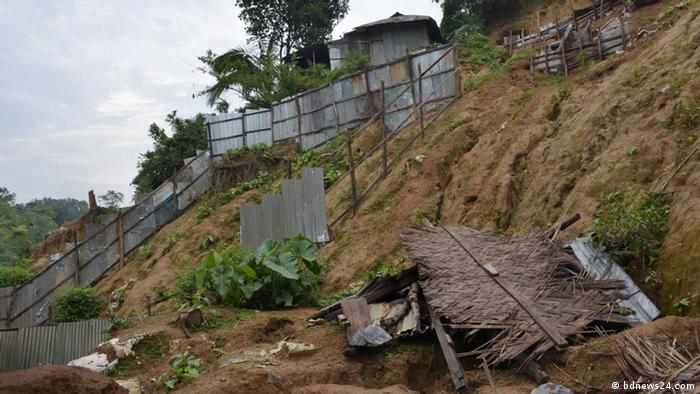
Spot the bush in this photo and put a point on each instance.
(204, 211)
(78, 303)
(276, 274)
(184, 367)
(146, 251)
(171, 241)
(632, 227)
(15, 276)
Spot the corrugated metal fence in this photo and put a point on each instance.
(84, 264)
(300, 208)
(315, 116)
(34, 346)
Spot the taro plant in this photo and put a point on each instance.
(276, 274)
(184, 367)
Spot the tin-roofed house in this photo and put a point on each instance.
(387, 39)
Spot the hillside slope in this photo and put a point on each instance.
(518, 154)
(524, 151)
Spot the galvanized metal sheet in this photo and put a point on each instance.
(600, 266)
(300, 208)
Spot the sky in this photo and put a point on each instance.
(81, 81)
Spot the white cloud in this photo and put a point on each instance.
(83, 79)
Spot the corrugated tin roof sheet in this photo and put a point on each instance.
(396, 18)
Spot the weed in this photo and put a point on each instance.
(146, 251)
(184, 367)
(632, 151)
(204, 211)
(171, 241)
(119, 324)
(520, 102)
(684, 303)
(632, 227)
(206, 241)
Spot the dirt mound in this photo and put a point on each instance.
(58, 379)
(592, 365)
(344, 389)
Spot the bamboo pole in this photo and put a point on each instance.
(420, 101)
(384, 134)
(121, 237)
(76, 274)
(352, 175)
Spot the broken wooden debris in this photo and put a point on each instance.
(448, 351)
(528, 298)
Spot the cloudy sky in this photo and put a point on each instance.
(81, 80)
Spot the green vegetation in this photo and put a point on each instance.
(206, 241)
(258, 150)
(78, 303)
(111, 200)
(203, 211)
(120, 324)
(260, 181)
(520, 102)
(456, 13)
(686, 117)
(23, 226)
(333, 167)
(16, 275)
(276, 274)
(632, 227)
(171, 241)
(168, 154)
(184, 367)
(64, 209)
(147, 251)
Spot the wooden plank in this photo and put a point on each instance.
(448, 351)
(550, 331)
(357, 312)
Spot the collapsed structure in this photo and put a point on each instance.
(490, 298)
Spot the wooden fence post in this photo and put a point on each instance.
(600, 46)
(353, 185)
(298, 110)
(411, 78)
(335, 110)
(420, 101)
(458, 76)
(369, 94)
(562, 50)
(245, 143)
(11, 308)
(77, 259)
(174, 196)
(272, 123)
(384, 133)
(121, 238)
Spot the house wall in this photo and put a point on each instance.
(382, 44)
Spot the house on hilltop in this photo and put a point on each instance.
(387, 39)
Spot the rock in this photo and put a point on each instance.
(299, 349)
(132, 385)
(552, 388)
(370, 336)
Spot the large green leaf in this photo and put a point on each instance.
(221, 277)
(276, 265)
(265, 249)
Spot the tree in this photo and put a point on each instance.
(65, 209)
(278, 26)
(456, 13)
(168, 154)
(111, 199)
(21, 227)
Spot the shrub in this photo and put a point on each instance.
(184, 367)
(206, 241)
(632, 227)
(204, 211)
(276, 274)
(171, 241)
(243, 187)
(146, 251)
(78, 303)
(15, 276)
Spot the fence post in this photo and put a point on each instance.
(353, 185)
(384, 133)
(458, 76)
(411, 78)
(121, 240)
(420, 101)
(11, 308)
(272, 123)
(298, 109)
(77, 259)
(600, 46)
(369, 94)
(209, 142)
(335, 109)
(245, 143)
(562, 50)
(174, 197)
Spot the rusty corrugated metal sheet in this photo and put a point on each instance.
(300, 208)
(54, 344)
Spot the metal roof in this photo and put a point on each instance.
(396, 18)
